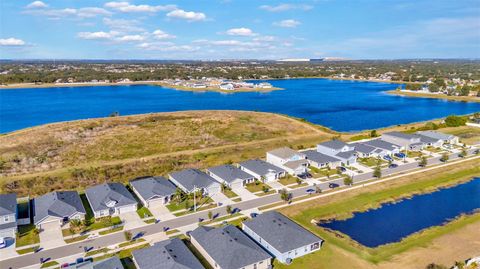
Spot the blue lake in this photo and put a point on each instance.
(340, 105)
(394, 221)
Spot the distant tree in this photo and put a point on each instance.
(459, 264)
(373, 133)
(210, 215)
(128, 235)
(423, 161)
(465, 90)
(285, 195)
(464, 152)
(433, 88)
(455, 121)
(318, 189)
(229, 209)
(444, 157)
(440, 82)
(377, 172)
(348, 181)
(265, 189)
(298, 180)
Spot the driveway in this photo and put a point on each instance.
(244, 194)
(9, 251)
(161, 213)
(131, 220)
(51, 236)
(221, 199)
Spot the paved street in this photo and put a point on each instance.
(115, 238)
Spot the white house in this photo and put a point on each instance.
(8, 215)
(320, 160)
(339, 150)
(230, 175)
(406, 141)
(193, 180)
(262, 170)
(295, 163)
(110, 199)
(153, 191)
(446, 138)
(57, 208)
(283, 238)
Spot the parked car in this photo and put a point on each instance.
(342, 169)
(387, 158)
(400, 155)
(3, 242)
(333, 185)
(253, 215)
(79, 260)
(393, 165)
(310, 191)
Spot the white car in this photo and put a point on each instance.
(3, 242)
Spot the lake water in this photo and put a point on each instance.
(394, 221)
(340, 105)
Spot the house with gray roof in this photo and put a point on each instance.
(230, 175)
(320, 160)
(294, 162)
(262, 170)
(8, 215)
(57, 208)
(363, 150)
(280, 236)
(110, 199)
(406, 141)
(153, 191)
(110, 263)
(228, 247)
(446, 138)
(340, 150)
(430, 141)
(192, 180)
(168, 254)
(387, 147)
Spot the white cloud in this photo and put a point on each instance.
(285, 7)
(123, 25)
(130, 38)
(86, 12)
(127, 7)
(37, 4)
(159, 34)
(97, 35)
(267, 38)
(186, 15)
(287, 23)
(89, 12)
(240, 32)
(11, 42)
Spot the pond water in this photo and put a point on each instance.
(339, 105)
(394, 221)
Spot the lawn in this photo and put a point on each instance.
(467, 134)
(318, 173)
(413, 154)
(288, 180)
(434, 149)
(370, 161)
(100, 223)
(27, 235)
(173, 206)
(343, 206)
(143, 212)
(75, 239)
(49, 264)
(109, 231)
(256, 186)
(26, 250)
(229, 193)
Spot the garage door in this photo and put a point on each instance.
(237, 184)
(270, 177)
(122, 210)
(51, 225)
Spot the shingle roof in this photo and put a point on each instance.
(168, 254)
(8, 204)
(110, 263)
(58, 204)
(400, 135)
(189, 178)
(229, 247)
(346, 154)
(153, 187)
(363, 148)
(334, 144)
(295, 164)
(229, 173)
(319, 157)
(284, 152)
(280, 232)
(436, 135)
(261, 167)
(101, 195)
(379, 143)
(427, 139)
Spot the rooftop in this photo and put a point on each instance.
(280, 232)
(284, 152)
(58, 204)
(190, 178)
(229, 173)
(436, 135)
(109, 195)
(261, 167)
(319, 157)
(153, 187)
(334, 144)
(400, 135)
(8, 204)
(110, 263)
(382, 144)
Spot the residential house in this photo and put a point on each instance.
(430, 141)
(447, 138)
(228, 247)
(382, 147)
(364, 150)
(57, 208)
(230, 175)
(262, 170)
(192, 180)
(320, 160)
(8, 215)
(153, 191)
(406, 141)
(110, 199)
(283, 238)
(168, 254)
(340, 150)
(295, 163)
(109, 263)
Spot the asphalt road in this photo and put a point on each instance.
(115, 238)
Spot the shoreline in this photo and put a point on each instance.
(435, 96)
(133, 83)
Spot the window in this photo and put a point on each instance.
(6, 218)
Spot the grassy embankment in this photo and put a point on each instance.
(73, 155)
(338, 249)
(436, 96)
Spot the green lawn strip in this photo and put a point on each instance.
(235, 222)
(220, 219)
(100, 223)
(197, 254)
(172, 231)
(229, 193)
(287, 180)
(149, 221)
(238, 199)
(173, 206)
(371, 161)
(298, 185)
(344, 209)
(265, 193)
(27, 235)
(323, 172)
(143, 212)
(131, 242)
(76, 239)
(198, 209)
(49, 264)
(109, 231)
(97, 251)
(360, 137)
(256, 187)
(26, 250)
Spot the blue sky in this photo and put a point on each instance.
(239, 29)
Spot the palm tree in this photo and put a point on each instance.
(348, 181)
(423, 161)
(377, 172)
